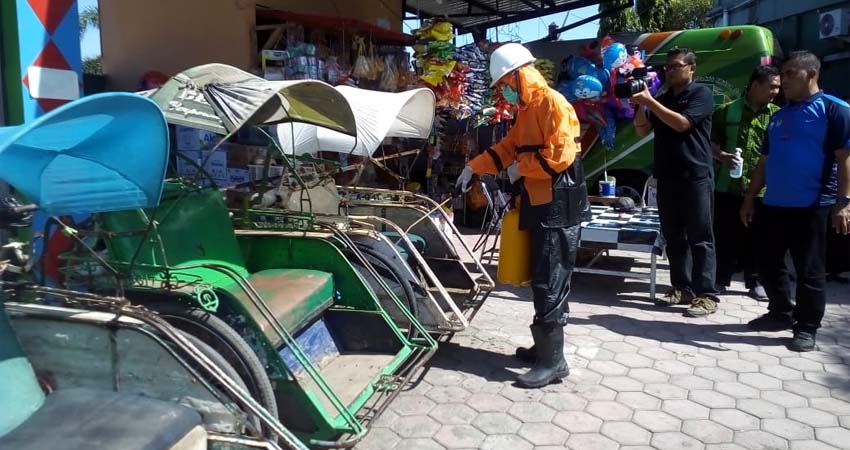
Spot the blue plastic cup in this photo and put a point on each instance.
(608, 188)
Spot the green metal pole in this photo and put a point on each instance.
(10, 61)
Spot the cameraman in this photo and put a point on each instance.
(684, 167)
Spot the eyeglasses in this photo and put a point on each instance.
(676, 66)
(676, 51)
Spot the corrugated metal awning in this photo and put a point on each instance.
(470, 15)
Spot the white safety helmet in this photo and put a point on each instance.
(506, 59)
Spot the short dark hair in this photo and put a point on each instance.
(762, 74)
(689, 56)
(478, 35)
(805, 59)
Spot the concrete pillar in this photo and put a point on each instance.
(41, 56)
(41, 62)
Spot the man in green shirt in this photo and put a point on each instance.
(742, 124)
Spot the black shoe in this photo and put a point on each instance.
(551, 365)
(771, 322)
(675, 297)
(526, 354)
(757, 292)
(804, 341)
(838, 278)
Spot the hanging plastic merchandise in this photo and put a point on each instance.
(389, 76)
(332, 70)
(434, 31)
(362, 68)
(441, 50)
(436, 72)
(407, 78)
(450, 91)
(376, 64)
(434, 52)
(435, 55)
(473, 64)
(495, 109)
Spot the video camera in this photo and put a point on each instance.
(639, 80)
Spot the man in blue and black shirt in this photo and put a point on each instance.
(805, 165)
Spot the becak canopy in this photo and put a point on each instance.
(408, 114)
(105, 152)
(223, 99)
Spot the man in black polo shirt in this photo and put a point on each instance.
(684, 167)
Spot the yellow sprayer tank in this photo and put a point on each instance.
(514, 252)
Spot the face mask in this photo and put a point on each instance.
(510, 95)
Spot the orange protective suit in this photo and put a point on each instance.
(547, 123)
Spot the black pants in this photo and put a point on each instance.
(685, 207)
(802, 232)
(837, 252)
(734, 242)
(553, 257)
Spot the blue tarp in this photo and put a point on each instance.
(105, 152)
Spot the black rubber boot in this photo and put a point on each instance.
(551, 364)
(527, 354)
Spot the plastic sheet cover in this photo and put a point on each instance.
(378, 115)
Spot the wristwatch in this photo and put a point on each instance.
(843, 200)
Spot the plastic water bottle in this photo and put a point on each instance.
(738, 169)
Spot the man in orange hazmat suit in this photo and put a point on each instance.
(542, 147)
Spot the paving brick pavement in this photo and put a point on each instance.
(642, 377)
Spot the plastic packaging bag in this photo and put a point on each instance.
(441, 31)
(332, 70)
(434, 73)
(389, 76)
(361, 67)
(376, 66)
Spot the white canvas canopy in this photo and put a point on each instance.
(377, 115)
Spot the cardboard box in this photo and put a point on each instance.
(214, 164)
(253, 136)
(195, 139)
(238, 176)
(230, 164)
(184, 167)
(240, 156)
(256, 171)
(273, 63)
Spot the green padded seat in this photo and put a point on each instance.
(198, 230)
(295, 296)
